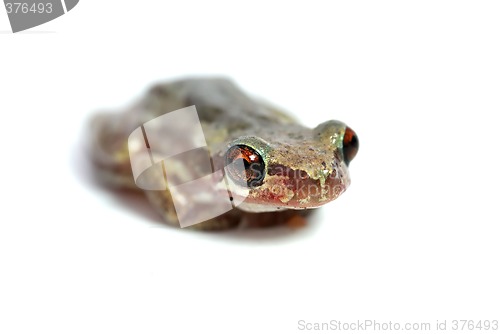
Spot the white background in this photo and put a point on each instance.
(414, 239)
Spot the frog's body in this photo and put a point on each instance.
(302, 168)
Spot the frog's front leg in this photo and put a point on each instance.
(163, 203)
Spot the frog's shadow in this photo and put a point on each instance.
(136, 203)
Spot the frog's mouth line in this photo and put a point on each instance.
(294, 189)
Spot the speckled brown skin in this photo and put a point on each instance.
(304, 167)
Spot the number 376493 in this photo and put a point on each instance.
(25, 8)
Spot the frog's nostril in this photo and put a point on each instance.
(350, 145)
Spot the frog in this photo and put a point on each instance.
(272, 169)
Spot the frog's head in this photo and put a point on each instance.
(291, 167)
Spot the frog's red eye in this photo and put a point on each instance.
(250, 171)
(350, 145)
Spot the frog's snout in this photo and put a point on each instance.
(350, 145)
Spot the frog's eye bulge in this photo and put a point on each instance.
(340, 136)
(350, 145)
(254, 166)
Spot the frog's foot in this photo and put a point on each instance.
(296, 221)
(291, 218)
(224, 222)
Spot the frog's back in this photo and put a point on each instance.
(217, 100)
(220, 104)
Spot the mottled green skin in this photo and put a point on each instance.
(228, 116)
